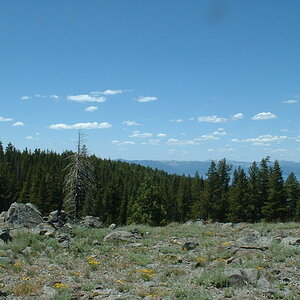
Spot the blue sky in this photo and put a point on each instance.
(184, 80)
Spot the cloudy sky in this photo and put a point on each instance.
(172, 79)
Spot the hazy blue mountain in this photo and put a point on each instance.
(191, 167)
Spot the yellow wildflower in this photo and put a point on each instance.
(120, 281)
(93, 262)
(227, 243)
(25, 278)
(60, 285)
(201, 259)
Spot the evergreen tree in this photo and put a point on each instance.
(239, 206)
(148, 207)
(254, 195)
(274, 208)
(292, 189)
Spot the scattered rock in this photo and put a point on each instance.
(27, 251)
(121, 236)
(189, 246)
(45, 229)
(57, 218)
(240, 277)
(253, 239)
(112, 226)
(263, 283)
(3, 216)
(92, 222)
(189, 222)
(5, 261)
(5, 236)
(290, 241)
(23, 215)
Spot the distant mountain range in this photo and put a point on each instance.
(191, 167)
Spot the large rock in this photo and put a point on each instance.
(121, 236)
(92, 222)
(252, 238)
(44, 229)
(57, 218)
(5, 236)
(290, 241)
(3, 217)
(23, 215)
(240, 277)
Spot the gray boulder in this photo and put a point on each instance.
(121, 236)
(92, 222)
(290, 241)
(57, 218)
(240, 277)
(44, 229)
(3, 216)
(23, 215)
(112, 226)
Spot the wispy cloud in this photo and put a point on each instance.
(131, 123)
(5, 119)
(25, 97)
(108, 92)
(238, 116)
(292, 101)
(161, 135)
(146, 99)
(17, 124)
(91, 108)
(53, 96)
(212, 119)
(86, 98)
(262, 140)
(176, 142)
(93, 125)
(138, 134)
(30, 137)
(119, 143)
(219, 133)
(264, 116)
(153, 142)
(207, 137)
(177, 120)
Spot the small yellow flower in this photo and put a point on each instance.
(120, 281)
(75, 273)
(60, 285)
(227, 243)
(220, 259)
(18, 264)
(25, 278)
(93, 262)
(148, 272)
(260, 268)
(201, 259)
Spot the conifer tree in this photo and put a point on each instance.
(239, 206)
(274, 208)
(253, 193)
(292, 189)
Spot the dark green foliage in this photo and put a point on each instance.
(274, 208)
(124, 193)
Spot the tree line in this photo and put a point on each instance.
(126, 193)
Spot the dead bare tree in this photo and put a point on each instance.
(79, 180)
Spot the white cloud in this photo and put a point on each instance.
(264, 116)
(210, 150)
(181, 142)
(220, 133)
(138, 134)
(221, 129)
(207, 137)
(16, 124)
(131, 123)
(238, 116)
(290, 101)
(117, 142)
(39, 96)
(154, 142)
(53, 97)
(25, 97)
(5, 119)
(108, 92)
(263, 140)
(161, 135)
(86, 98)
(30, 137)
(280, 150)
(93, 125)
(146, 99)
(91, 108)
(212, 119)
(177, 120)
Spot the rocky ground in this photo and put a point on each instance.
(187, 261)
